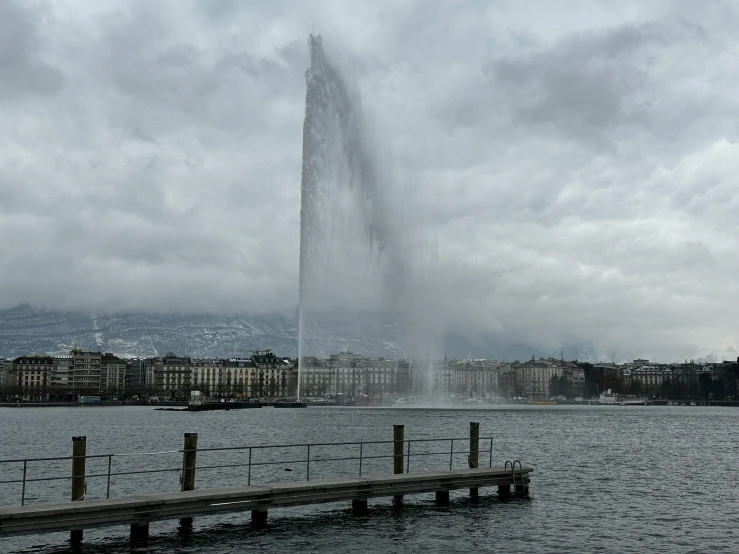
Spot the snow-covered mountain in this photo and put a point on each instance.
(26, 330)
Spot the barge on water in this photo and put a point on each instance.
(200, 403)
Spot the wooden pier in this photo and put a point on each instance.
(138, 511)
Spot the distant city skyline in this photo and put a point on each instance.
(570, 165)
(346, 377)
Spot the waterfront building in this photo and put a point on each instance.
(610, 370)
(138, 370)
(171, 377)
(30, 377)
(348, 376)
(62, 372)
(263, 375)
(653, 376)
(575, 376)
(379, 376)
(208, 377)
(318, 379)
(271, 375)
(85, 371)
(113, 374)
(507, 381)
(650, 376)
(443, 380)
(533, 377)
(476, 378)
(5, 369)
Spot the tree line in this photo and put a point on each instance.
(723, 384)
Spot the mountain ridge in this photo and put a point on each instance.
(28, 330)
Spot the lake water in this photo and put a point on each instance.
(607, 479)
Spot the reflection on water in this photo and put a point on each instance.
(607, 479)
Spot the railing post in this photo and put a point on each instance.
(359, 505)
(307, 465)
(408, 458)
(79, 453)
(451, 455)
(398, 442)
(490, 463)
(248, 479)
(189, 455)
(258, 516)
(23, 490)
(107, 490)
(474, 457)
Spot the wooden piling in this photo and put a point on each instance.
(189, 452)
(79, 451)
(140, 531)
(474, 458)
(442, 498)
(504, 491)
(259, 518)
(398, 444)
(359, 507)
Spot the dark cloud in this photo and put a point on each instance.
(567, 168)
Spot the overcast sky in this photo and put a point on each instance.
(575, 162)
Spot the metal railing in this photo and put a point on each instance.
(361, 459)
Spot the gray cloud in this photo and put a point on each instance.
(567, 169)
(22, 68)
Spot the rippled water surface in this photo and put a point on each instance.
(607, 479)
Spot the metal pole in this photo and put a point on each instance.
(307, 467)
(451, 455)
(248, 480)
(107, 491)
(408, 458)
(490, 464)
(23, 491)
(361, 447)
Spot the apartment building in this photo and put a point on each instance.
(86, 371)
(476, 378)
(30, 377)
(533, 377)
(170, 377)
(114, 375)
(351, 375)
(62, 372)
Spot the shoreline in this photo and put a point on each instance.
(78, 405)
(167, 405)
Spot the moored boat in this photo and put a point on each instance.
(613, 399)
(199, 403)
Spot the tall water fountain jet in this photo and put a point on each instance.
(353, 258)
